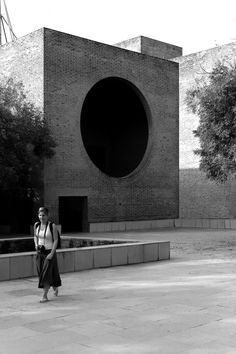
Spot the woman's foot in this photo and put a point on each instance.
(45, 295)
(55, 291)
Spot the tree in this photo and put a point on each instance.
(214, 101)
(25, 140)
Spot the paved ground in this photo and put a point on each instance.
(185, 305)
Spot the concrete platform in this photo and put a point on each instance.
(183, 305)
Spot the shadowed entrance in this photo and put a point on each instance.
(73, 213)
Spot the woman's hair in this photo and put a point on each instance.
(43, 210)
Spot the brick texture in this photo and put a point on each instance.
(72, 66)
(200, 197)
(23, 60)
(151, 47)
(58, 70)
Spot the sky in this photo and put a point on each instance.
(194, 25)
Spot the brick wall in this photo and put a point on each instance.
(200, 197)
(133, 44)
(72, 66)
(151, 47)
(58, 70)
(22, 60)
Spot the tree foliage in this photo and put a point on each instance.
(25, 140)
(214, 101)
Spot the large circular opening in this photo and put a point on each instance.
(114, 126)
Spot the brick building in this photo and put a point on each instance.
(198, 196)
(113, 111)
(114, 116)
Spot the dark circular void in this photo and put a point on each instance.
(114, 126)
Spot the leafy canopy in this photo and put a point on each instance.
(214, 101)
(25, 140)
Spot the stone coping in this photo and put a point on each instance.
(74, 236)
(74, 249)
(23, 265)
(206, 223)
(166, 223)
(130, 225)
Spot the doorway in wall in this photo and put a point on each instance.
(73, 214)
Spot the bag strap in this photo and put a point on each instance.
(58, 234)
(51, 229)
(36, 225)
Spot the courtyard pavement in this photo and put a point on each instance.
(184, 305)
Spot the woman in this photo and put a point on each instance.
(46, 258)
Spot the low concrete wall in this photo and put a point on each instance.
(206, 223)
(22, 265)
(168, 223)
(131, 225)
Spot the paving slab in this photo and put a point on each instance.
(183, 305)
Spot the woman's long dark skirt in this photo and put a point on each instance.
(48, 272)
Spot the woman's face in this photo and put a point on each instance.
(43, 218)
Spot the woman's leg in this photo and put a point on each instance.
(55, 289)
(44, 277)
(49, 276)
(45, 294)
(56, 280)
